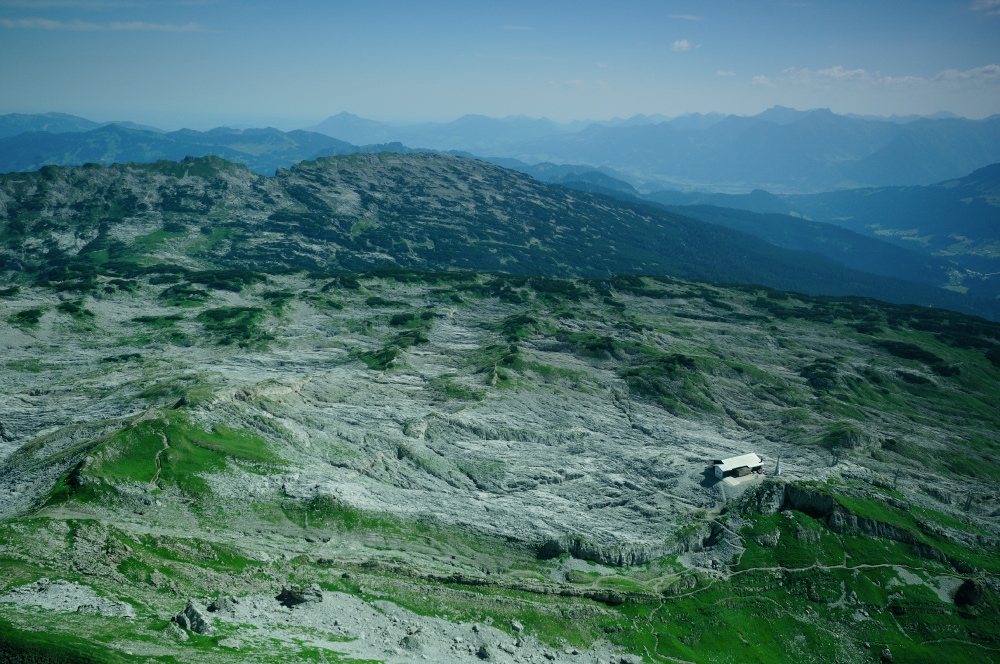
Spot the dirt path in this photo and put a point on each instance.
(156, 459)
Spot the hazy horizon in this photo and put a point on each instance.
(201, 122)
(215, 62)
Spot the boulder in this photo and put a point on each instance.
(234, 644)
(195, 618)
(415, 642)
(223, 604)
(293, 595)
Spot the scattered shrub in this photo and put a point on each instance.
(908, 351)
(75, 309)
(402, 320)
(27, 317)
(377, 301)
(183, 295)
(235, 325)
(821, 374)
(518, 326)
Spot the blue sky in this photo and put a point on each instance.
(202, 63)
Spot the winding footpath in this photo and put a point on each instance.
(156, 459)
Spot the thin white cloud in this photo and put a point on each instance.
(838, 77)
(988, 6)
(97, 4)
(518, 27)
(681, 45)
(762, 81)
(46, 24)
(831, 74)
(84, 26)
(985, 74)
(687, 17)
(722, 72)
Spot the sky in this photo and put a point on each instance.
(204, 63)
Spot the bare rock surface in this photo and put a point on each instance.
(380, 630)
(67, 597)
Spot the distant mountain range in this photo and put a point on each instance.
(817, 151)
(782, 150)
(56, 123)
(262, 150)
(474, 133)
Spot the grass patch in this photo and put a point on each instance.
(185, 295)
(27, 317)
(130, 455)
(236, 325)
(76, 310)
(54, 647)
(29, 365)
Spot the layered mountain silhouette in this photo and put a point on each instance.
(55, 123)
(262, 150)
(781, 150)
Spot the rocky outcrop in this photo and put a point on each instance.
(842, 521)
(772, 497)
(813, 503)
(619, 555)
(194, 618)
(294, 595)
(767, 498)
(223, 604)
(68, 597)
(522, 585)
(768, 539)
(628, 553)
(775, 495)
